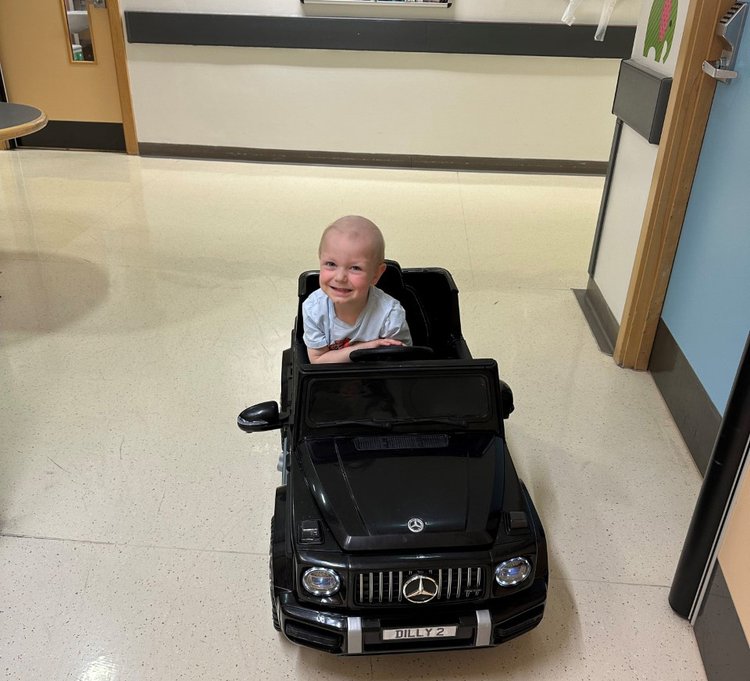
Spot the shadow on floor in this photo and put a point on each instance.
(40, 293)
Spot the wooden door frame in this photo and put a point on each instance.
(123, 80)
(676, 161)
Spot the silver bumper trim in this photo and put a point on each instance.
(484, 629)
(354, 635)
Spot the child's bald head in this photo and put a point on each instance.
(361, 232)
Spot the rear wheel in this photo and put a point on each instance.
(286, 373)
(274, 612)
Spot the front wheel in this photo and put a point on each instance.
(274, 612)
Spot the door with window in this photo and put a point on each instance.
(67, 57)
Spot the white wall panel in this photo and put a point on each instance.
(547, 11)
(630, 185)
(401, 103)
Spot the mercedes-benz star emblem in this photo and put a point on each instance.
(420, 589)
(415, 524)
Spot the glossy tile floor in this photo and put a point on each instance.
(146, 301)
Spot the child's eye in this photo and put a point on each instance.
(329, 263)
(356, 268)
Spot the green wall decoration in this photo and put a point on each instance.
(660, 30)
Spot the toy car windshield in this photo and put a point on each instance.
(398, 399)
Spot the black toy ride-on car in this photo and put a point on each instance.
(400, 524)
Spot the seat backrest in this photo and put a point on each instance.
(438, 297)
(392, 283)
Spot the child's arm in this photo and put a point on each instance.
(324, 355)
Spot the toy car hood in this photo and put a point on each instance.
(376, 492)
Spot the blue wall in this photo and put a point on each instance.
(707, 308)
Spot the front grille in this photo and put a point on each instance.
(386, 586)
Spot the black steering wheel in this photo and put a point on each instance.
(392, 353)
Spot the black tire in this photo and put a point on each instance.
(274, 613)
(286, 361)
(275, 616)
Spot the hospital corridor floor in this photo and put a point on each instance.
(145, 301)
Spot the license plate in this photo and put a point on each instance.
(418, 632)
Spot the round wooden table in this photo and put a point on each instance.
(17, 120)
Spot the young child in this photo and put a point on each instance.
(348, 312)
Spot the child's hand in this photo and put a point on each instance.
(324, 355)
(377, 343)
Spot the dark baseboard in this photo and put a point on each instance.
(721, 638)
(77, 135)
(373, 34)
(601, 321)
(692, 409)
(337, 158)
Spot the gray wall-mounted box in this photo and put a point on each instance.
(641, 99)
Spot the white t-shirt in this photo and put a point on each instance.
(383, 317)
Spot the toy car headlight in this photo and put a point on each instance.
(320, 581)
(513, 571)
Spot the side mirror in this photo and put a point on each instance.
(262, 416)
(506, 400)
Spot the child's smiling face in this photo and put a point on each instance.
(348, 267)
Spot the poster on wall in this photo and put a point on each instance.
(662, 20)
(657, 39)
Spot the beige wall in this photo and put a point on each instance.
(625, 13)
(377, 102)
(734, 554)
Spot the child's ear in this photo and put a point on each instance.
(378, 273)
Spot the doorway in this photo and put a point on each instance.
(67, 58)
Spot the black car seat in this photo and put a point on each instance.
(392, 283)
